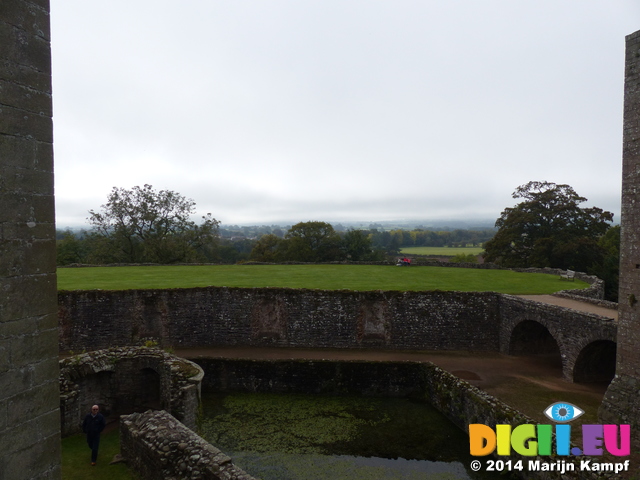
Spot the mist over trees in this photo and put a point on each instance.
(144, 225)
(548, 228)
(304, 242)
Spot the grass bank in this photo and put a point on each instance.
(326, 277)
(76, 459)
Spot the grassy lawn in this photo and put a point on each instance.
(441, 251)
(76, 459)
(327, 277)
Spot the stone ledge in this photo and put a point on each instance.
(156, 445)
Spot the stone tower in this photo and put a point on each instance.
(622, 400)
(29, 397)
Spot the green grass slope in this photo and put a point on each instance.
(326, 277)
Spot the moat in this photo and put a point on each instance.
(314, 437)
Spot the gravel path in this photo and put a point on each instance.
(574, 304)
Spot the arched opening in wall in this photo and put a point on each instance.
(596, 363)
(531, 338)
(150, 383)
(138, 390)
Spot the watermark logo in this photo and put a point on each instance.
(546, 440)
(562, 412)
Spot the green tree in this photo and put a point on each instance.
(313, 242)
(357, 246)
(269, 248)
(70, 249)
(548, 229)
(608, 267)
(146, 225)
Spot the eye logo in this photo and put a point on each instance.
(563, 412)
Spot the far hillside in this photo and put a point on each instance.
(325, 277)
(441, 251)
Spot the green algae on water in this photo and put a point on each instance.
(316, 437)
(287, 423)
(330, 425)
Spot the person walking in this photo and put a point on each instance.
(92, 425)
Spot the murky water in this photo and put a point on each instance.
(310, 437)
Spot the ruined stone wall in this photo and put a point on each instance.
(622, 403)
(157, 446)
(125, 380)
(216, 316)
(219, 316)
(29, 417)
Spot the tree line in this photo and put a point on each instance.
(548, 228)
(304, 242)
(144, 225)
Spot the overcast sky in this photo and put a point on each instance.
(270, 111)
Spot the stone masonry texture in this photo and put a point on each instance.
(622, 400)
(157, 446)
(227, 317)
(127, 379)
(29, 395)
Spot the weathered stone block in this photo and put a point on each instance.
(31, 349)
(21, 48)
(21, 181)
(26, 153)
(25, 98)
(22, 123)
(15, 381)
(13, 288)
(30, 16)
(31, 403)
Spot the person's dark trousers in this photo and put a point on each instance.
(93, 439)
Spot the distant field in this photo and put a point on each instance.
(326, 277)
(441, 251)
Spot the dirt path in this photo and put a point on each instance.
(574, 304)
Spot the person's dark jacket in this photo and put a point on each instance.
(93, 425)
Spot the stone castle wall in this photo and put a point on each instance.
(29, 417)
(220, 316)
(622, 403)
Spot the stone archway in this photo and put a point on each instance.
(127, 379)
(596, 362)
(138, 389)
(532, 338)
